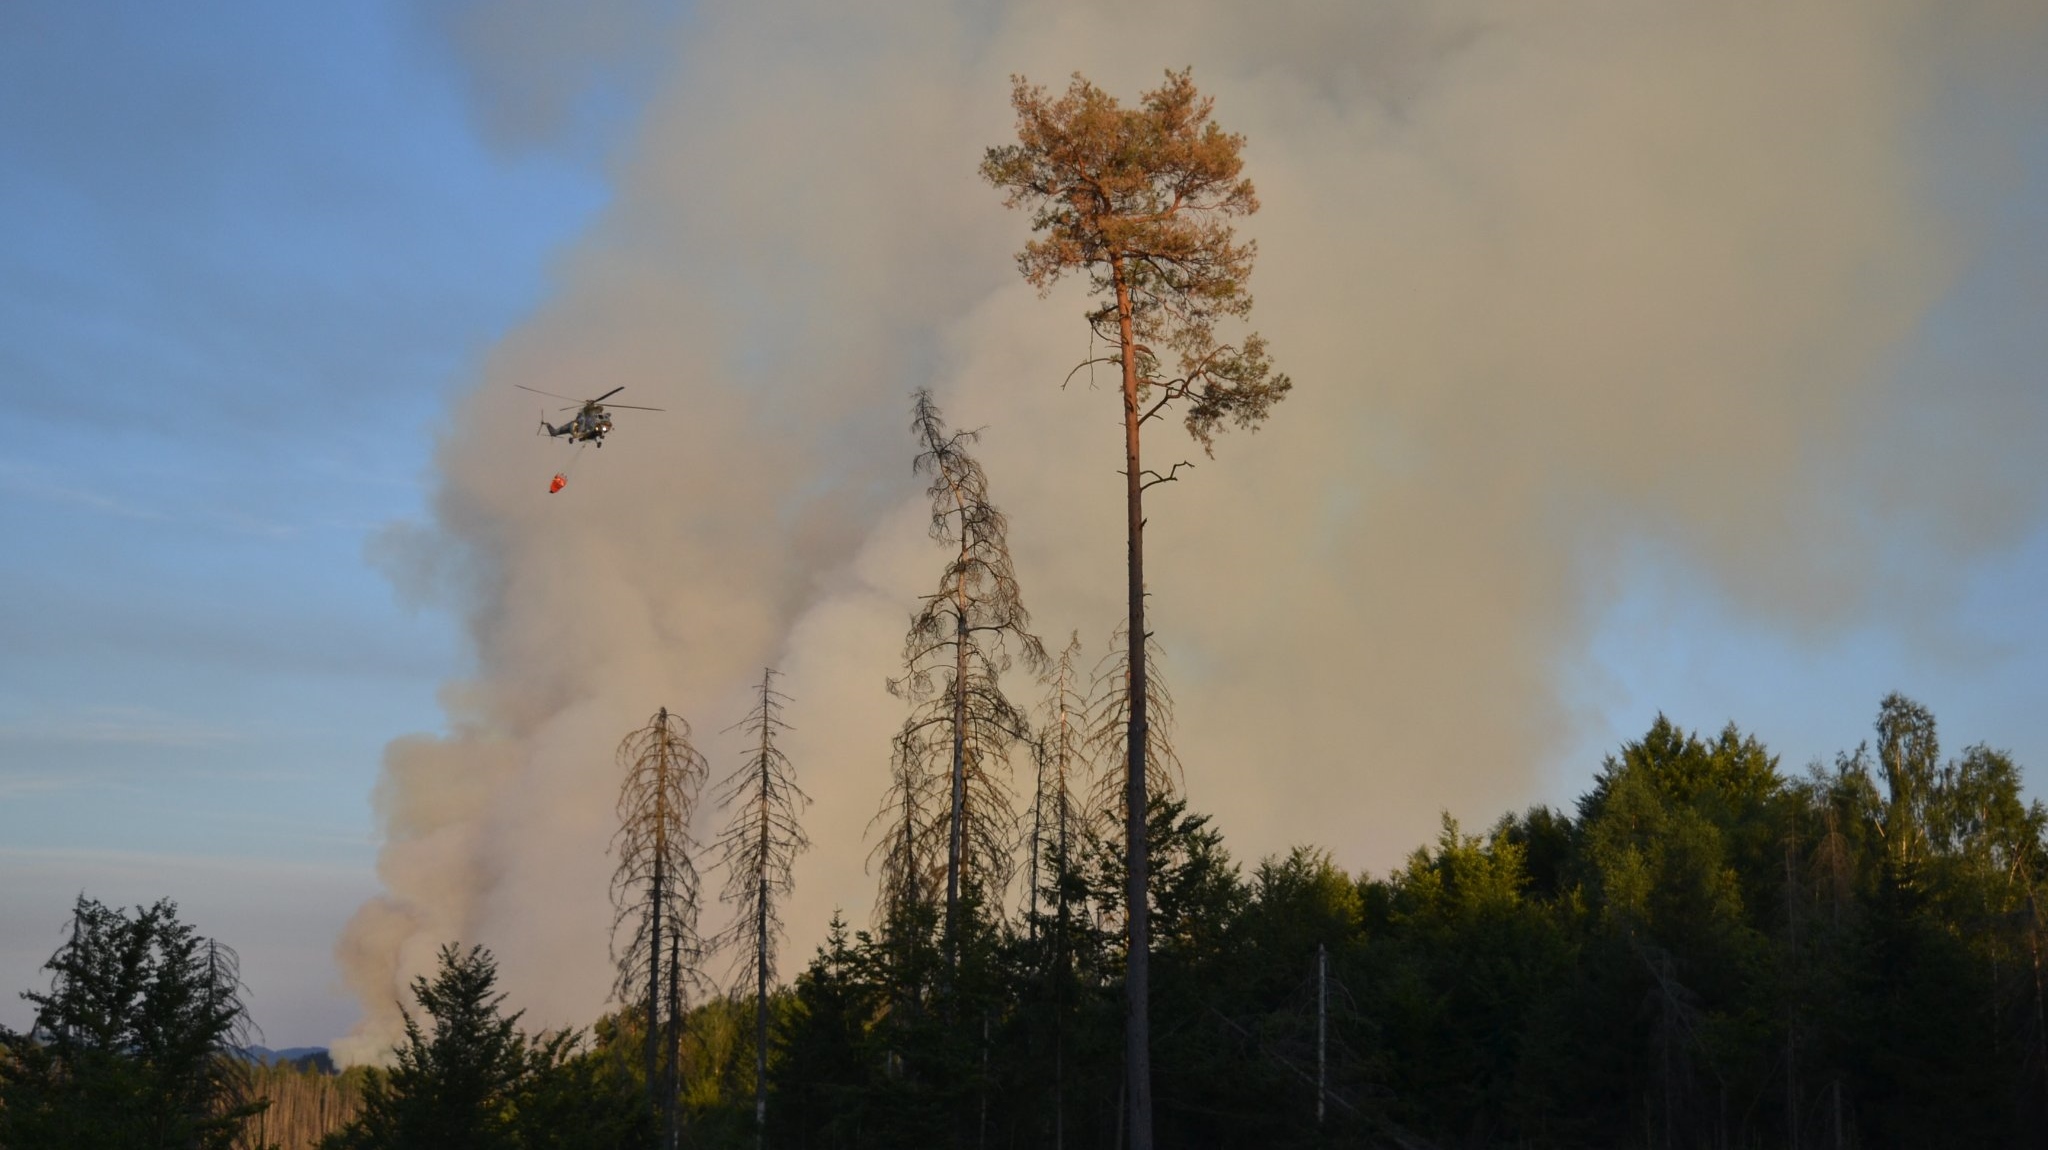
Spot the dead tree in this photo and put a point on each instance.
(958, 646)
(1140, 199)
(1059, 819)
(904, 855)
(655, 890)
(1062, 753)
(758, 850)
(1114, 688)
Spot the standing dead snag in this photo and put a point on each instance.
(1059, 817)
(1110, 708)
(954, 655)
(654, 889)
(903, 853)
(1141, 200)
(758, 849)
(1063, 753)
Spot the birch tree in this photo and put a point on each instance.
(1140, 199)
(959, 644)
(1907, 754)
(758, 850)
(655, 890)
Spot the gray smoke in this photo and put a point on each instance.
(1553, 281)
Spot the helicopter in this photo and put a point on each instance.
(591, 421)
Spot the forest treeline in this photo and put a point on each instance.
(1706, 951)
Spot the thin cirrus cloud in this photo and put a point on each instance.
(129, 726)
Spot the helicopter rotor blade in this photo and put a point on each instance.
(538, 391)
(609, 394)
(631, 407)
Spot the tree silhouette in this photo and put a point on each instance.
(655, 889)
(136, 1043)
(1109, 707)
(1141, 200)
(904, 857)
(1907, 750)
(758, 848)
(1060, 824)
(454, 1080)
(957, 648)
(1061, 753)
(468, 1078)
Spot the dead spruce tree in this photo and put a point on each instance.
(758, 850)
(1140, 199)
(904, 855)
(958, 646)
(1061, 752)
(1059, 820)
(654, 892)
(1109, 706)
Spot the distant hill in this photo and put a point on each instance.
(297, 1057)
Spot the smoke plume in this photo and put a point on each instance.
(1552, 280)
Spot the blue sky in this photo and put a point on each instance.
(252, 252)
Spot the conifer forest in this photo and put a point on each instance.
(1711, 949)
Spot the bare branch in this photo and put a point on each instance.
(1171, 474)
(1086, 363)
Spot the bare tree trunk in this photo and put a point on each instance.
(956, 844)
(1835, 1088)
(1037, 837)
(1123, 1098)
(1059, 1097)
(1792, 1000)
(761, 994)
(911, 892)
(671, 1082)
(2040, 1019)
(1322, 1028)
(1059, 975)
(1138, 966)
(654, 993)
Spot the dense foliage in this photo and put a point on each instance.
(1707, 952)
(472, 1080)
(134, 1043)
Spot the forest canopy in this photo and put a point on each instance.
(1706, 950)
